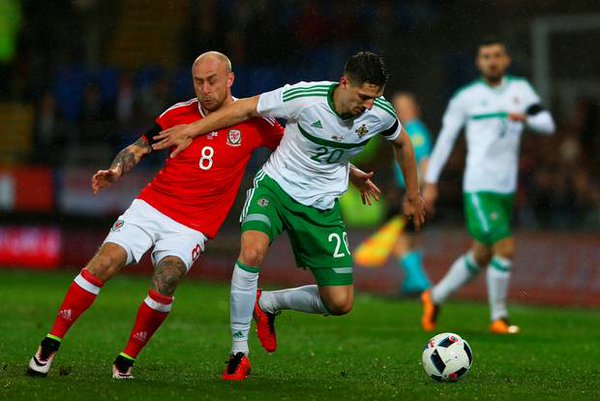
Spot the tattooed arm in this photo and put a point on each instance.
(125, 161)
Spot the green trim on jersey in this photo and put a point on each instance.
(294, 91)
(332, 144)
(488, 216)
(500, 114)
(332, 104)
(380, 102)
(307, 94)
(314, 90)
(385, 105)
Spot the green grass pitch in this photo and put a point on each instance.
(372, 354)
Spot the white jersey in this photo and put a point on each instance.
(492, 139)
(312, 162)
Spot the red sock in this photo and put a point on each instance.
(79, 297)
(152, 313)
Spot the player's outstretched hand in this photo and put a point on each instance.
(105, 178)
(414, 210)
(179, 136)
(367, 188)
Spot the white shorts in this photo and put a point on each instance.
(142, 226)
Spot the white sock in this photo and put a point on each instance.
(244, 282)
(498, 278)
(461, 272)
(302, 299)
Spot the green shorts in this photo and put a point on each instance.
(318, 237)
(488, 215)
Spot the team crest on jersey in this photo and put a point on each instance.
(234, 137)
(362, 130)
(263, 202)
(117, 226)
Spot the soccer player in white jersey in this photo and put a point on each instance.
(494, 109)
(297, 190)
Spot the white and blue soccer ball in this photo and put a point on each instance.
(447, 357)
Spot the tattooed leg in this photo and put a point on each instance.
(151, 314)
(167, 274)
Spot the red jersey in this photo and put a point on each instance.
(198, 186)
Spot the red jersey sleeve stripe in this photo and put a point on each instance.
(270, 120)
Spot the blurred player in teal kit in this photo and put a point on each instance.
(408, 256)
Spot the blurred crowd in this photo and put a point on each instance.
(86, 110)
(80, 100)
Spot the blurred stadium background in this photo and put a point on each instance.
(81, 79)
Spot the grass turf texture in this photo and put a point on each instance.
(372, 354)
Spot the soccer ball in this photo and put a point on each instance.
(447, 357)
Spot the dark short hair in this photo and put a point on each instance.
(489, 40)
(366, 67)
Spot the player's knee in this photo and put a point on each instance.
(505, 248)
(104, 265)
(340, 309)
(482, 256)
(482, 261)
(166, 283)
(506, 252)
(253, 255)
(167, 275)
(340, 306)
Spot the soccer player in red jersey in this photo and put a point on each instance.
(178, 211)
